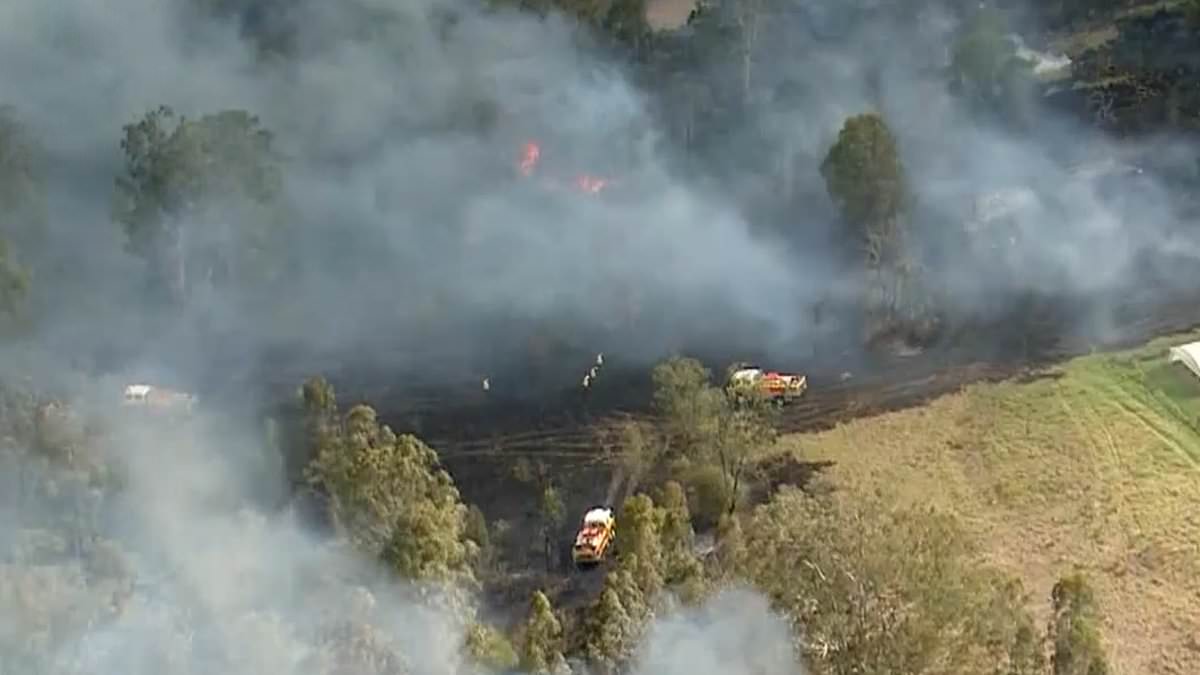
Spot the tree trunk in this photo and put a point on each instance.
(689, 126)
(746, 69)
(180, 255)
(1172, 105)
(748, 22)
(733, 492)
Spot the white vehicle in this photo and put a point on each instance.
(149, 396)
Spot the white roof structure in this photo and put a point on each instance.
(597, 516)
(746, 373)
(1188, 355)
(137, 390)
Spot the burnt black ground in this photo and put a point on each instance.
(481, 436)
(567, 441)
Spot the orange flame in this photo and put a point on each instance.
(590, 184)
(529, 158)
(531, 154)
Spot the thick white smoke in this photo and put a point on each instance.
(201, 575)
(735, 632)
(408, 230)
(397, 216)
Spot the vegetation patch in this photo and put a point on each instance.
(1095, 469)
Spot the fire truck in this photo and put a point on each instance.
(595, 537)
(747, 379)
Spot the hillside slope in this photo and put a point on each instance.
(1095, 467)
(1133, 70)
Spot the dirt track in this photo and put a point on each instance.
(570, 430)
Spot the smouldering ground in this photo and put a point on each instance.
(1097, 466)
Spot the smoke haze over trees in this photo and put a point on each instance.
(329, 177)
(188, 184)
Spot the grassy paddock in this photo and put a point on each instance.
(1096, 466)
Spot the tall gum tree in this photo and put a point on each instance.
(22, 209)
(865, 178)
(196, 199)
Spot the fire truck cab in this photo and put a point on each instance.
(595, 536)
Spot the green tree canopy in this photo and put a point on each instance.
(22, 209)
(392, 499)
(986, 67)
(22, 183)
(689, 406)
(617, 621)
(625, 20)
(541, 648)
(476, 528)
(875, 589)
(634, 449)
(1074, 629)
(641, 543)
(677, 537)
(864, 176)
(489, 648)
(198, 197)
(14, 282)
(551, 508)
(552, 512)
(707, 424)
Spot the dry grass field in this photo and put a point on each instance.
(1095, 466)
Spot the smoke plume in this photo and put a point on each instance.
(734, 632)
(410, 235)
(185, 564)
(405, 229)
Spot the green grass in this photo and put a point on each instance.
(1162, 395)
(1097, 467)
